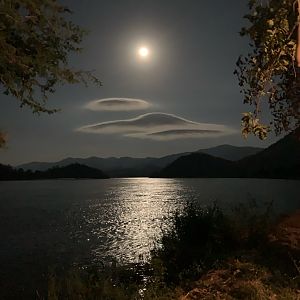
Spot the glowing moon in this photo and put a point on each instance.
(144, 52)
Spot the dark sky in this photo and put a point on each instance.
(193, 48)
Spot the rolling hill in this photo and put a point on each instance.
(280, 160)
(198, 165)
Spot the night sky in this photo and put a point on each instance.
(186, 96)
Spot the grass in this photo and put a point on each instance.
(241, 280)
(205, 255)
(118, 282)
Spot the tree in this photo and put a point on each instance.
(36, 40)
(270, 73)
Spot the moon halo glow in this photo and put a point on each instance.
(143, 52)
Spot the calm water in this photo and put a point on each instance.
(63, 222)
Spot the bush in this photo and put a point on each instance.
(202, 238)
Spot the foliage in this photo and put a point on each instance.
(36, 39)
(269, 73)
(202, 238)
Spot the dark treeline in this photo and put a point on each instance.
(70, 171)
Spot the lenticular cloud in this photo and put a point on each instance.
(158, 126)
(118, 104)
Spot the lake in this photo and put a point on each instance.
(51, 223)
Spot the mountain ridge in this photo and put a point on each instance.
(129, 166)
(280, 160)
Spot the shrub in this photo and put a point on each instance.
(201, 238)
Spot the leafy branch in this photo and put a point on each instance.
(270, 72)
(36, 40)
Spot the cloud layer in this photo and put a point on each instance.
(158, 126)
(118, 104)
(181, 134)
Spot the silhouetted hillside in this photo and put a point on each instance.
(198, 165)
(230, 152)
(70, 171)
(280, 160)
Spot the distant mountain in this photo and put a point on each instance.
(280, 160)
(129, 167)
(229, 152)
(111, 164)
(71, 171)
(198, 165)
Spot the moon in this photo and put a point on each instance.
(143, 52)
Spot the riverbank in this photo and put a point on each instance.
(206, 255)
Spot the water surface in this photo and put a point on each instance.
(88, 222)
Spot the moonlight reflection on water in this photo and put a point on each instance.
(134, 224)
(87, 222)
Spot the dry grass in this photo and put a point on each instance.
(287, 232)
(240, 280)
(260, 275)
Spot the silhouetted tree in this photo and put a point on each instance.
(36, 39)
(271, 71)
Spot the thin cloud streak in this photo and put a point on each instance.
(170, 135)
(118, 104)
(158, 126)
